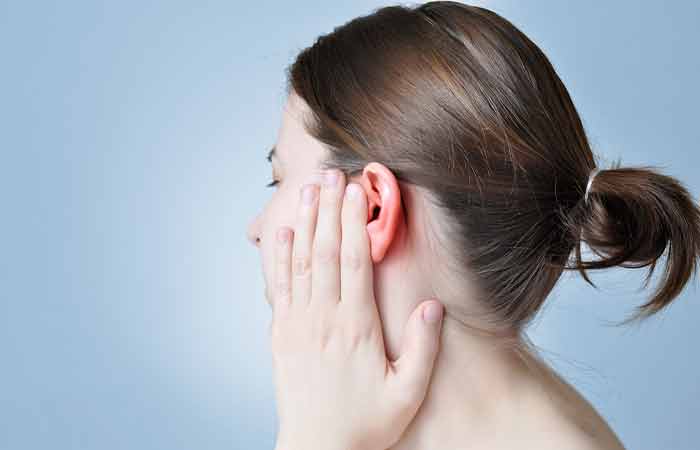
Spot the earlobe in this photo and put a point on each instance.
(384, 209)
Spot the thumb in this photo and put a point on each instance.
(419, 347)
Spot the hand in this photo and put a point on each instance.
(335, 388)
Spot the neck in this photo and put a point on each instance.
(478, 378)
(475, 382)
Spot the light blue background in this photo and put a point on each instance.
(132, 139)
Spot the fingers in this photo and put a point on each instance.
(357, 288)
(303, 243)
(283, 256)
(325, 261)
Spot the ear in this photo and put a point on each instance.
(384, 210)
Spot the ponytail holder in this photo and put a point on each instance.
(592, 175)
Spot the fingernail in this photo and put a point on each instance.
(433, 312)
(308, 193)
(351, 191)
(282, 235)
(330, 177)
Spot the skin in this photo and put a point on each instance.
(479, 394)
(327, 342)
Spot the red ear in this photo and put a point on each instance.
(384, 209)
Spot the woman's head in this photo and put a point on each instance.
(396, 232)
(469, 115)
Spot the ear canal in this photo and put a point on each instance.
(375, 212)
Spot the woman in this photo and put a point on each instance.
(478, 185)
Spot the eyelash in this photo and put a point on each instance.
(272, 183)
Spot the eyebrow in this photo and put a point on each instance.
(271, 153)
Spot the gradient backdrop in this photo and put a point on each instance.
(133, 139)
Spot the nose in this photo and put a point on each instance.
(253, 232)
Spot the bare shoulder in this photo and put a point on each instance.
(572, 436)
(559, 417)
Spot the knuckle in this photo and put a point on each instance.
(355, 338)
(355, 343)
(282, 266)
(283, 288)
(326, 253)
(302, 265)
(325, 339)
(322, 330)
(323, 335)
(351, 258)
(282, 256)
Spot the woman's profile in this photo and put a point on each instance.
(499, 192)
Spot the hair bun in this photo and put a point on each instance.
(631, 216)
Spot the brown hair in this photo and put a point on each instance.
(455, 99)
